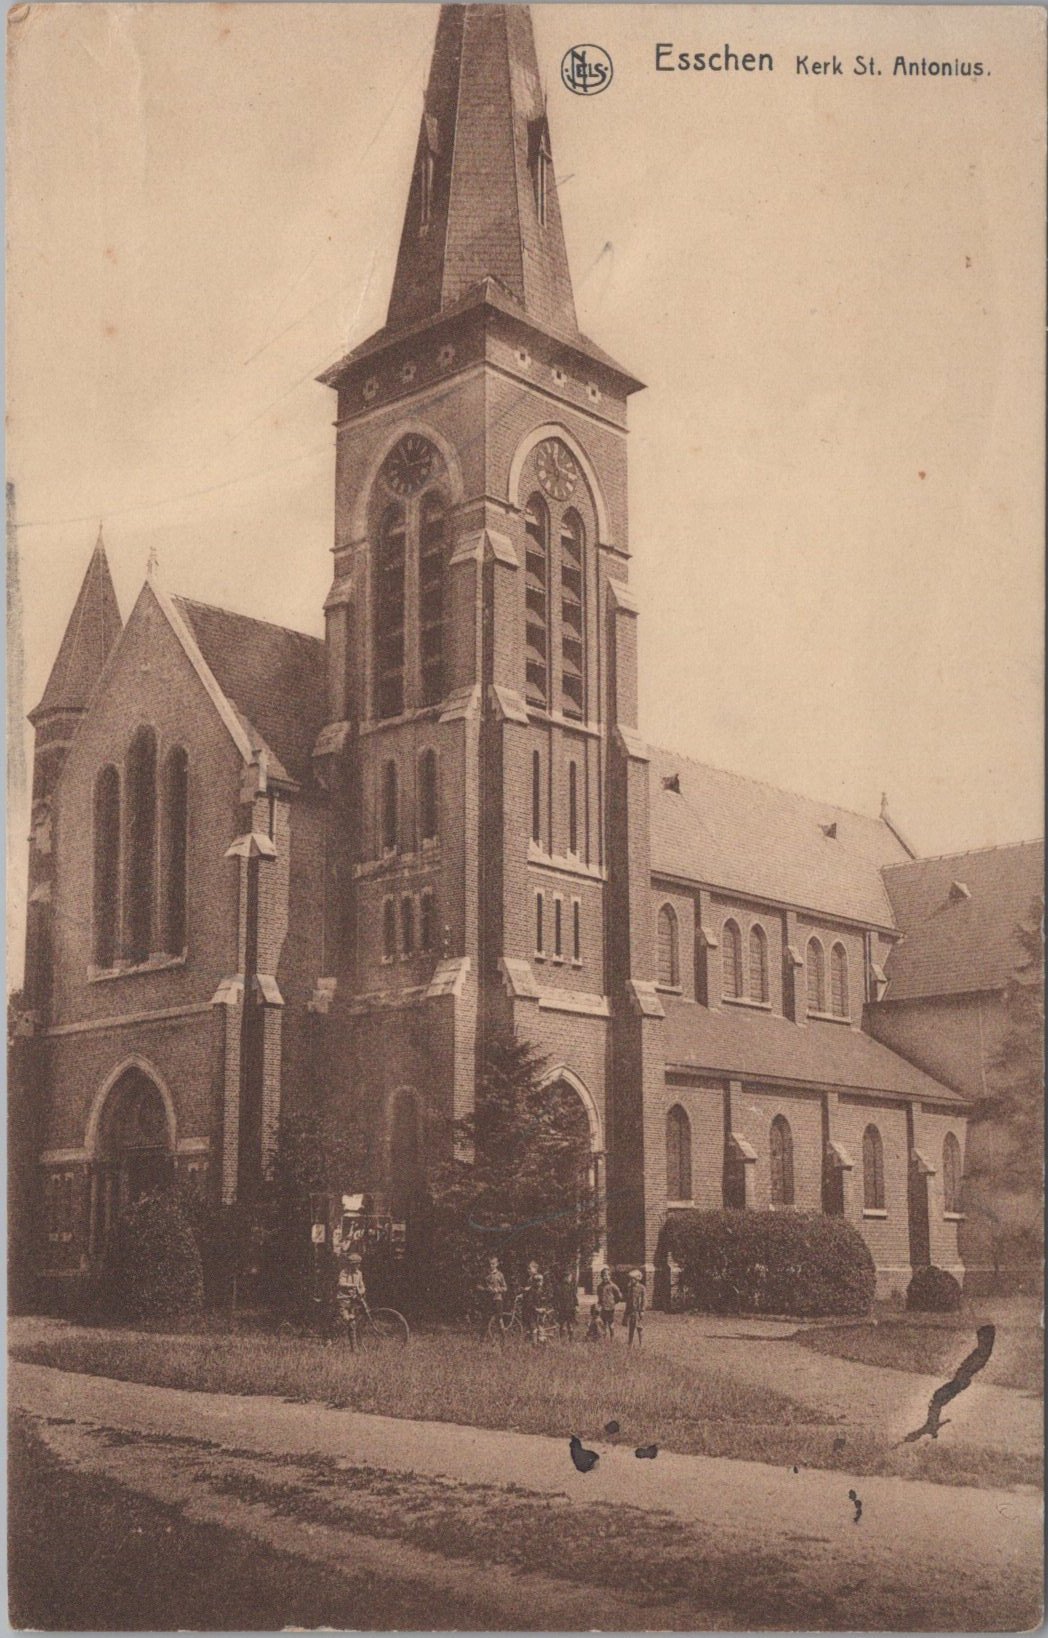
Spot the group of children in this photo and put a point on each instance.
(542, 1304)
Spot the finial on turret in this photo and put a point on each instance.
(152, 564)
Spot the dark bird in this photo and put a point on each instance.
(857, 1504)
(584, 1459)
(611, 1427)
(961, 1379)
(647, 1451)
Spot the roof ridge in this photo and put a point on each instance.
(964, 853)
(257, 620)
(783, 790)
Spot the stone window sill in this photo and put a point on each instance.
(874, 1211)
(955, 1217)
(829, 1018)
(679, 1205)
(155, 964)
(746, 1001)
(670, 989)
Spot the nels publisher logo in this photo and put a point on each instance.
(586, 69)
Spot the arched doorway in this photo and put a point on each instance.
(579, 1119)
(133, 1151)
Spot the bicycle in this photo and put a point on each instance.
(497, 1328)
(364, 1328)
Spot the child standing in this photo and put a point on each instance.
(593, 1330)
(566, 1304)
(635, 1298)
(608, 1294)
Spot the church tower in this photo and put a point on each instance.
(488, 791)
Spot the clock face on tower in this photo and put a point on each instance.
(410, 465)
(557, 471)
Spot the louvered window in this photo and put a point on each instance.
(668, 948)
(758, 964)
(572, 629)
(432, 553)
(536, 595)
(389, 613)
(816, 964)
(839, 981)
(872, 1170)
(731, 959)
(781, 1154)
(678, 1155)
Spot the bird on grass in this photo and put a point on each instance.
(584, 1459)
(961, 1379)
(647, 1452)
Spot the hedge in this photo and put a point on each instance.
(933, 1291)
(771, 1262)
(156, 1270)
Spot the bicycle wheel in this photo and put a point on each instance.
(383, 1328)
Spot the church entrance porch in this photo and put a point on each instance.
(134, 1155)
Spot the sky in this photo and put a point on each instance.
(832, 286)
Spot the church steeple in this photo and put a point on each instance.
(483, 200)
(93, 628)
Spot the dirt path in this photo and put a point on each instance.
(920, 1555)
(760, 1354)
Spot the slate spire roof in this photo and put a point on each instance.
(93, 628)
(478, 207)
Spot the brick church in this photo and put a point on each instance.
(267, 867)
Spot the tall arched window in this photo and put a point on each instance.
(140, 890)
(951, 1174)
(428, 921)
(428, 818)
(731, 960)
(668, 948)
(390, 804)
(758, 963)
(390, 566)
(678, 1154)
(389, 930)
(407, 925)
(816, 965)
(572, 616)
(536, 597)
(872, 1170)
(781, 1153)
(839, 981)
(573, 807)
(432, 553)
(175, 840)
(106, 867)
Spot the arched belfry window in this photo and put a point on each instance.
(816, 965)
(781, 1158)
(140, 872)
(559, 519)
(678, 1154)
(668, 948)
(106, 868)
(174, 846)
(409, 609)
(731, 957)
(536, 596)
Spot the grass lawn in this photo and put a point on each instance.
(935, 1344)
(445, 1376)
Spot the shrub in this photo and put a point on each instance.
(156, 1269)
(771, 1262)
(933, 1291)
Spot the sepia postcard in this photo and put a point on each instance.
(525, 870)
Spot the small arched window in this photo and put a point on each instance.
(572, 616)
(389, 930)
(536, 797)
(540, 924)
(390, 556)
(816, 964)
(668, 948)
(951, 1174)
(678, 1154)
(389, 807)
(428, 820)
(536, 598)
(407, 925)
(175, 841)
(432, 551)
(872, 1170)
(758, 963)
(731, 960)
(106, 867)
(140, 890)
(573, 807)
(428, 921)
(781, 1152)
(839, 981)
